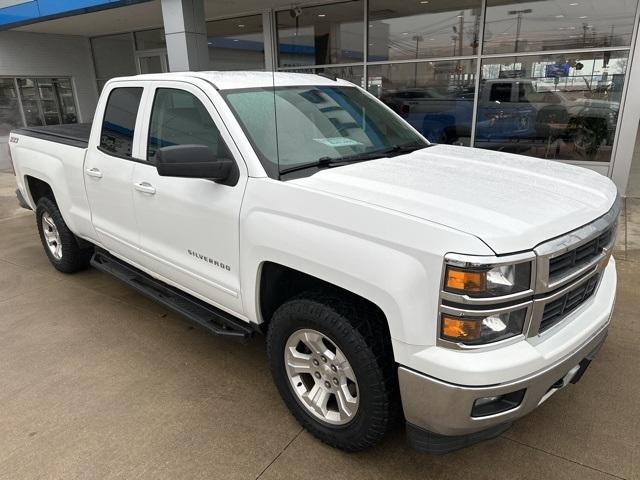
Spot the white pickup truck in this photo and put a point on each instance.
(453, 287)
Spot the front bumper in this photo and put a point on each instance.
(446, 409)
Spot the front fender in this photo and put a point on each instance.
(390, 259)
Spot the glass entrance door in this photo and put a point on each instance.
(152, 62)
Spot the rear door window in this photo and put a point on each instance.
(118, 124)
(500, 92)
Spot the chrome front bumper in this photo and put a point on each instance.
(446, 409)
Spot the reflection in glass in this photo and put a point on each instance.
(316, 124)
(66, 101)
(30, 103)
(116, 136)
(9, 110)
(113, 56)
(353, 74)
(236, 43)
(551, 106)
(150, 64)
(436, 98)
(150, 39)
(557, 25)
(321, 35)
(421, 29)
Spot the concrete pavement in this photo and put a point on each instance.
(98, 382)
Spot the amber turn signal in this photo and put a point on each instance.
(454, 328)
(465, 280)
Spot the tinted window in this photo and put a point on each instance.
(179, 118)
(500, 92)
(120, 120)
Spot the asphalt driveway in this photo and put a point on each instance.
(98, 382)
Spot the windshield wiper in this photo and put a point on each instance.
(328, 162)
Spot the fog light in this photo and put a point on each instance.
(492, 405)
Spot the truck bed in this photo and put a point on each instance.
(74, 134)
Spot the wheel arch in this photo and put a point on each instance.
(38, 188)
(278, 283)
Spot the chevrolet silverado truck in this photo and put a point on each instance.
(452, 288)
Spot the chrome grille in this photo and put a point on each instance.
(580, 256)
(558, 309)
(570, 257)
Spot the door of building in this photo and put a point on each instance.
(152, 61)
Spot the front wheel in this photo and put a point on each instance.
(60, 244)
(333, 370)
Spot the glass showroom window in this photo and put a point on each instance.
(436, 98)
(150, 39)
(321, 35)
(9, 110)
(422, 29)
(350, 73)
(47, 101)
(557, 25)
(113, 57)
(236, 43)
(561, 106)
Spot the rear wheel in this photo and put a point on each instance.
(333, 370)
(60, 244)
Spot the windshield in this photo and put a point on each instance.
(293, 127)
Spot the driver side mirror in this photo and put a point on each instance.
(193, 161)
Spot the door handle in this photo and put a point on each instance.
(145, 187)
(94, 172)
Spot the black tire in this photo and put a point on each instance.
(74, 258)
(356, 328)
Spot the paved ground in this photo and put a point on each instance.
(98, 382)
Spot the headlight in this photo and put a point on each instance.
(474, 329)
(488, 281)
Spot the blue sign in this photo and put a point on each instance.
(556, 70)
(20, 12)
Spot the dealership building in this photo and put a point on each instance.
(554, 79)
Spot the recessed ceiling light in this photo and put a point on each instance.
(236, 40)
(423, 2)
(241, 25)
(559, 16)
(574, 4)
(322, 14)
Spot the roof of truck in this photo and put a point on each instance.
(243, 79)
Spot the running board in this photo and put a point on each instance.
(207, 316)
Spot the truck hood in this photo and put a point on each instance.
(509, 201)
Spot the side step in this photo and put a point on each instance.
(207, 316)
